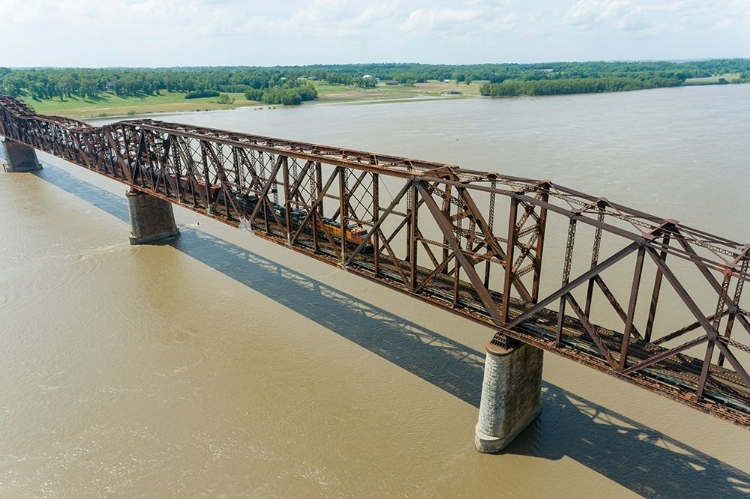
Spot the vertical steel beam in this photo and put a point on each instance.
(594, 261)
(656, 292)
(375, 219)
(317, 212)
(237, 168)
(447, 212)
(735, 304)
(206, 179)
(565, 279)
(287, 205)
(412, 236)
(407, 222)
(342, 211)
(456, 281)
(510, 247)
(542, 227)
(704, 371)
(491, 227)
(631, 306)
(721, 302)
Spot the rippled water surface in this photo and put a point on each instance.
(225, 366)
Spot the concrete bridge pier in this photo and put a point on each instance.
(19, 157)
(511, 394)
(151, 218)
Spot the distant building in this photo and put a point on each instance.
(391, 82)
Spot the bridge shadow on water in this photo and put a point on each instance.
(644, 460)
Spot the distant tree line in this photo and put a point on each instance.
(91, 83)
(290, 84)
(577, 85)
(497, 73)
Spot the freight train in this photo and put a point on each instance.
(353, 234)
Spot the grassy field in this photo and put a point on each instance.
(111, 105)
(713, 80)
(342, 93)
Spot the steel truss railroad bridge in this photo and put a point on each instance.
(642, 298)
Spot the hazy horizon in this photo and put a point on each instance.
(373, 63)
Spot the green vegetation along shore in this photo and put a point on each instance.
(86, 93)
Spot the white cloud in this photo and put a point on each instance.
(441, 19)
(322, 11)
(611, 13)
(374, 14)
(201, 32)
(656, 15)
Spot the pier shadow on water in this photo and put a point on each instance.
(631, 454)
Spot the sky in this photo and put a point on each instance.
(165, 33)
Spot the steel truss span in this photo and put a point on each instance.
(642, 298)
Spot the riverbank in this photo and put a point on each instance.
(110, 105)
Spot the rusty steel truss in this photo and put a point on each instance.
(643, 298)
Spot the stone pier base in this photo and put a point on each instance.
(511, 394)
(19, 158)
(151, 219)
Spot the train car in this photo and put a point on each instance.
(354, 234)
(198, 186)
(246, 203)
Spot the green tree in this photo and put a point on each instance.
(225, 99)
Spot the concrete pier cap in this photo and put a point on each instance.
(151, 218)
(19, 157)
(511, 393)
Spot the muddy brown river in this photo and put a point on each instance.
(225, 366)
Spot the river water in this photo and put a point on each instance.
(225, 366)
